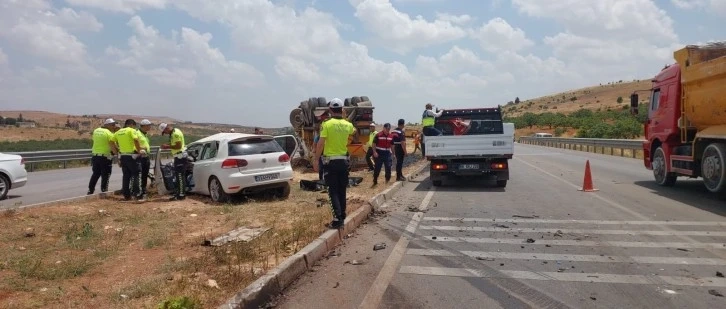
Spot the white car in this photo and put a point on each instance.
(227, 164)
(12, 173)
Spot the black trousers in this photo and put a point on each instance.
(180, 175)
(336, 177)
(384, 159)
(369, 158)
(144, 166)
(101, 167)
(130, 170)
(400, 155)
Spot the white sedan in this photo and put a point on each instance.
(227, 164)
(12, 173)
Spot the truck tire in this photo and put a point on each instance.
(297, 118)
(346, 102)
(501, 183)
(354, 101)
(713, 170)
(364, 99)
(322, 102)
(437, 183)
(662, 178)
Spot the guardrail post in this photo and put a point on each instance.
(621, 152)
(634, 153)
(64, 163)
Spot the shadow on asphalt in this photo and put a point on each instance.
(690, 192)
(461, 185)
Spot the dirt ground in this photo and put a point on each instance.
(113, 254)
(13, 134)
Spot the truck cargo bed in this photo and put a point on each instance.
(472, 146)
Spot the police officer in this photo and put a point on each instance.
(177, 147)
(428, 119)
(369, 152)
(399, 147)
(143, 160)
(126, 143)
(101, 156)
(383, 141)
(333, 147)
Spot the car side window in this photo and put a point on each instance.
(194, 150)
(209, 151)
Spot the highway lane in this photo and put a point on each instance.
(53, 185)
(539, 243)
(46, 186)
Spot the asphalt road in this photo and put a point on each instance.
(53, 185)
(538, 243)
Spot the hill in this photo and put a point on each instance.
(602, 97)
(44, 125)
(600, 111)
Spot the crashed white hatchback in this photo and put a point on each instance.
(227, 164)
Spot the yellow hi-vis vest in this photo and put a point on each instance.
(426, 120)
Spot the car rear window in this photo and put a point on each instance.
(253, 147)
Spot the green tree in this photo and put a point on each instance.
(620, 99)
(516, 100)
(530, 119)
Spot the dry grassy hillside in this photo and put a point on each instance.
(595, 98)
(51, 126)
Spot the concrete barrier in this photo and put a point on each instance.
(277, 280)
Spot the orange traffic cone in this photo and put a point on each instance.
(587, 183)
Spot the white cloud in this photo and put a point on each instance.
(454, 19)
(497, 35)
(72, 20)
(293, 69)
(398, 31)
(122, 6)
(180, 60)
(716, 7)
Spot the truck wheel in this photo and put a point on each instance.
(659, 169)
(437, 183)
(364, 99)
(713, 170)
(354, 101)
(346, 102)
(501, 183)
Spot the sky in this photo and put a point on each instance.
(250, 62)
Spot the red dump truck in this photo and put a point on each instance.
(686, 127)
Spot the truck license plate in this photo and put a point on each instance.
(267, 177)
(469, 166)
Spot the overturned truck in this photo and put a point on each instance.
(313, 111)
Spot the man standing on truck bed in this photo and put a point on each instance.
(428, 119)
(333, 147)
(383, 141)
(399, 146)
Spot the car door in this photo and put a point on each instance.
(195, 150)
(289, 144)
(204, 166)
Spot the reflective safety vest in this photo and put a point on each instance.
(426, 120)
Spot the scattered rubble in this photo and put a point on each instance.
(715, 293)
(379, 246)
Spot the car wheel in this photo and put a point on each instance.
(437, 183)
(216, 192)
(283, 192)
(4, 186)
(501, 183)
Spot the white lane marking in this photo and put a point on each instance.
(374, 296)
(553, 221)
(564, 276)
(571, 257)
(572, 231)
(585, 243)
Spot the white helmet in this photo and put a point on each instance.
(145, 122)
(162, 127)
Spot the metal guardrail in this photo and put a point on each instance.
(33, 158)
(587, 144)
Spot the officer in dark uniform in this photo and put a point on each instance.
(177, 146)
(383, 142)
(333, 148)
(144, 160)
(399, 148)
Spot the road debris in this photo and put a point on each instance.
(684, 249)
(530, 240)
(354, 262)
(379, 246)
(715, 293)
(500, 226)
(525, 217)
(29, 232)
(559, 233)
(242, 234)
(481, 258)
(719, 274)
(337, 284)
